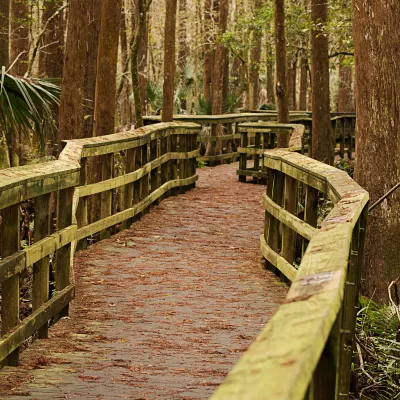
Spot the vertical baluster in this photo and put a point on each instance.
(229, 131)
(349, 133)
(82, 209)
(137, 184)
(164, 149)
(243, 156)
(290, 204)
(182, 163)
(10, 244)
(257, 146)
(310, 210)
(63, 263)
(40, 291)
(127, 201)
(173, 163)
(107, 168)
(145, 178)
(154, 171)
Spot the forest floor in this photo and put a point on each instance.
(163, 310)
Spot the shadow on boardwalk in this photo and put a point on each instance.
(163, 310)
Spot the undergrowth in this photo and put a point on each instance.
(376, 367)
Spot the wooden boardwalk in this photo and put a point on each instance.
(162, 310)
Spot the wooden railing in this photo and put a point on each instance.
(157, 159)
(265, 137)
(305, 351)
(343, 125)
(222, 148)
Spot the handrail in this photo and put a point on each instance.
(306, 348)
(265, 137)
(158, 159)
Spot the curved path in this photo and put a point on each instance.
(162, 310)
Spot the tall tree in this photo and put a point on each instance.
(169, 61)
(72, 94)
(345, 94)
(303, 84)
(208, 55)
(52, 55)
(20, 18)
(183, 45)
(4, 33)
(377, 51)
(270, 75)
(281, 87)
(105, 97)
(323, 141)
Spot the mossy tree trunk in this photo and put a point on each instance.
(377, 53)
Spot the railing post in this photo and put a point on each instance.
(144, 181)
(40, 291)
(10, 244)
(107, 167)
(182, 163)
(257, 145)
(63, 260)
(244, 140)
(137, 186)
(82, 209)
(229, 131)
(128, 189)
(290, 204)
(193, 160)
(165, 149)
(173, 163)
(154, 172)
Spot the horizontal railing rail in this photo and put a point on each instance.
(220, 136)
(156, 161)
(265, 136)
(305, 351)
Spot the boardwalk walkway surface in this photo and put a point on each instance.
(162, 310)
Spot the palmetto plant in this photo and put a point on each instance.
(27, 105)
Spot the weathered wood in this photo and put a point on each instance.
(107, 171)
(244, 142)
(40, 289)
(219, 157)
(128, 188)
(63, 260)
(10, 244)
(26, 328)
(82, 207)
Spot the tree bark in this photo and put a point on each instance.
(105, 97)
(281, 87)
(92, 48)
(345, 95)
(4, 33)
(377, 51)
(52, 56)
(183, 45)
(323, 141)
(72, 94)
(270, 77)
(19, 36)
(292, 85)
(208, 56)
(303, 84)
(142, 52)
(169, 61)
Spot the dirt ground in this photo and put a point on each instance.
(163, 310)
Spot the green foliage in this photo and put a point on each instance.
(27, 104)
(233, 103)
(201, 164)
(154, 96)
(204, 106)
(377, 352)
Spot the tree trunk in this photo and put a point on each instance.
(72, 94)
(255, 56)
(183, 46)
(323, 141)
(105, 103)
(124, 103)
(292, 85)
(377, 51)
(52, 56)
(303, 84)
(270, 77)
(169, 61)
(142, 52)
(4, 33)
(92, 48)
(19, 36)
(281, 69)
(345, 95)
(208, 56)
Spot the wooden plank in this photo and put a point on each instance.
(107, 172)
(26, 328)
(136, 209)
(128, 189)
(12, 265)
(10, 244)
(244, 142)
(249, 172)
(219, 157)
(276, 260)
(40, 289)
(63, 255)
(82, 203)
